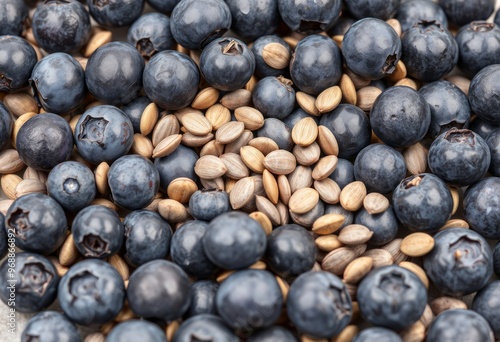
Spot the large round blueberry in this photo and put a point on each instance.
(203, 298)
(483, 94)
(135, 330)
(463, 12)
(253, 19)
(482, 207)
(493, 142)
(380, 9)
(496, 259)
(459, 325)
(343, 173)
(482, 128)
(179, 163)
(134, 110)
(384, 225)
(275, 333)
(487, 304)
(277, 130)
(309, 16)
(163, 6)
(262, 69)
(296, 115)
(274, 97)
(411, 11)
(378, 334)
(115, 13)
(50, 326)
(17, 61)
(207, 204)
(209, 327)
(4, 246)
(337, 209)
(13, 16)
(6, 123)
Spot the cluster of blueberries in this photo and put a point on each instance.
(174, 272)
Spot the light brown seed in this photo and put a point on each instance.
(417, 270)
(427, 317)
(218, 115)
(101, 178)
(394, 247)
(285, 191)
(328, 99)
(328, 190)
(243, 140)
(307, 155)
(216, 183)
(337, 260)
(96, 41)
(358, 81)
(414, 333)
(357, 269)
(417, 244)
(291, 41)
(107, 327)
(28, 186)
(307, 103)
(263, 220)
(304, 132)
(251, 83)
(209, 167)
(276, 55)
(253, 158)
(212, 148)
(284, 214)
(68, 252)
(455, 223)
(237, 98)
(300, 178)
(21, 120)
(328, 243)
(407, 82)
(5, 205)
(120, 265)
(171, 329)
(142, 146)
(324, 167)
(399, 72)
(375, 203)
(10, 162)
(327, 141)
(270, 186)
(20, 103)
(60, 269)
(352, 196)
(125, 314)
(461, 82)
(280, 162)
(149, 118)
(236, 168)
(284, 287)
(416, 158)
(394, 23)
(153, 206)
(328, 224)
(380, 257)
(193, 140)
(105, 203)
(168, 125)
(264, 145)
(196, 124)
(31, 173)
(268, 208)
(172, 210)
(251, 117)
(347, 334)
(205, 98)
(444, 303)
(303, 200)
(455, 195)
(9, 183)
(167, 145)
(242, 193)
(366, 96)
(348, 89)
(355, 234)
(181, 189)
(95, 337)
(229, 132)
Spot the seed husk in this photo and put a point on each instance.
(120, 265)
(366, 96)
(95, 337)
(142, 146)
(284, 287)
(215, 183)
(419, 272)
(461, 82)
(352, 196)
(181, 189)
(455, 223)
(380, 257)
(307, 155)
(270, 186)
(358, 81)
(252, 118)
(303, 200)
(268, 208)
(444, 303)
(357, 269)
(218, 115)
(243, 140)
(427, 316)
(9, 183)
(328, 242)
(96, 41)
(394, 23)
(193, 140)
(304, 132)
(328, 190)
(355, 234)
(196, 124)
(237, 98)
(61, 270)
(300, 178)
(21, 120)
(375, 203)
(242, 193)
(172, 211)
(399, 73)
(10, 162)
(229, 132)
(263, 220)
(394, 247)
(168, 125)
(31, 173)
(414, 333)
(205, 98)
(324, 167)
(417, 244)
(68, 252)
(236, 168)
(285, 191)
(327, 141)
(106, 203)
(5, 205)
(455, 195)
(337, 260)
(276, 55)
(416, 158)
(348, 89)
(307, 103)
(280, 162)
(264, 145)
(328, 99)
(253, 158)
(20, 103)
(209, 167)
(149, 118)
(212, 148)
(101, 178)
(125, 314)
(284, 214)
(347, 334)
(328, 224)
(407, 82)
(28, 186)
(167, 145)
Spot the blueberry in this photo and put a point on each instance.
(343, 173)
(124, 82)
(384, 225)
(3, 237)
(205, 327)
(17, 62)
(483, 94)
(115, 13)
(135, 330)
(391, 297)
(487, 304)
(168, 300)
(195, 23)
(291, 250)
(496, 259)
(275, 333)
(459, 157)
(493, 142)
(207, 204)
(13, 16)
(459, 325)
(316, 64)
(306, 220)
(460, 263)
(253, 19)
(72, 185)
(411, 11)
(371, 48)
(337, 209)
(422, 202)
(379, 9)
(32, 287)
(171, 79)
(134, 110)
(50, 326)
(296, 115)
(274, 97)
(6, 124)
(309, 16)
(482, 207)
(203, 298)
(341, 26)
(482, 128)
(318, 304)
(38, 223)
(249, 299)
(97, 232)
(234, 241)
(277, 130)
(187, 251)
(262, 69)
(179, 163)
(377, 334)
(147, 237)
(496, 19)
(163, 6)
(103, 133)
(463, 12)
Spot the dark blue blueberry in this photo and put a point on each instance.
(400, 117)
(151, 34)
(32, 287)
(487, 304)
(203, 298)
(380, 9)
(391, 297)
(72, 185)
(384, 225)
(38, 223)
(341, 26)
(343, 173)
(274, 97)
(275, 333)
(460, 263)
(306, 220)
(206, 327)
(13, 16)
(483, 94)
(17, 62)
(253, 19)
(124, 82)
(136, 330)
(459, 325)
(171, 79)
(186, 249)
(91, 292)
(338, 209)
(262, 69)
(249, 299)
(496, 259)
(412, 11)
(291, 250)
(3, 237)
(493, 142)
(234, 241)
(207, 204)
(482, 207)
(50, 326)
(318, 304)
(103, 133)
(377, 334)
(168, 300)
(179, 163)
(448, 104)
(316, 64)
(134, 110)
(147, 237)
(296, 115)
(276, 130)
(380, 167)
(227, 64)
(309, 16)
(463, 12)
(6, 124)
(422, 202)
(482, 128)
(163, 6)
(195, 23)
(459, 157)
(115, 13)
(371, 48)
(496, 19)
(97, 232)
(350, 126)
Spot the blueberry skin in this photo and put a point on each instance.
(17, 61)
(482, 128)
(147, 237)
(234, 241)
(380, 167)
(400, 117)
(196, 23)
(35, 280)
(449, 107)
(463, 12)
(134, 110)
(290, 251)
(459, 157)
(391, 297)
(482, 207)
(163, 6)
(337, 209)
(115, 13)
(422, 202)
(151, 34)
(379, 9)
(493, 142)
(72, 185)
(6, 124)
(97, 232)
(487, 304)
(249, 299)
(136, 330)
(170, 298)
(384, 225)
(103, 133)
(496, 19)
(262, 69)
(207, 204)
(377, 334)
(38, 223)
(341, 26)
(171, 80)
(371, 48)
(276, 130)
(50, 326)
(306, 220)
(496, 259)
(318, 304)
(253, 19)
(459, 325)
(227, 64)
(3, 237)
(187, 251)
(309, 16)
(202, 298)
(13, 16)
(206, 326)
(274, 97)
(483, 94)
(275, 333)
(115, 83)
(343, 173)
(179, 163)
(350, 126)
(460, 263)
(411, 11)
(316, 64)
(296, 115)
